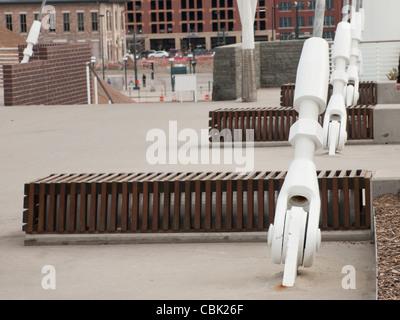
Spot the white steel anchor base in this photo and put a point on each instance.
(295, 236)
(296, 220)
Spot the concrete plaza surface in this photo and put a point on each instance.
(39, 140)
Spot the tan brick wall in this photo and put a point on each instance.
(93, 38)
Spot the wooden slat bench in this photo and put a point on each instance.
(273, 124)
(183, 202)
(367, 90)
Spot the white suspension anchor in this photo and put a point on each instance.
(335, 120)
(295, 236)
(34, 33)
(346, 57)
(357, 26)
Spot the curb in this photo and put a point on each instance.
(192, 237)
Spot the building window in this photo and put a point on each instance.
(66, 22)
(95, 22)
(285, 22)
(36, 16)
(81, 24)
(52, 22)
(301, 5)
(285, 6)
(329, 21)
(311, 21)
(328, 35)
(169, 16)
(108, 20)
(9, 22)
(22, 18)
(329, 5)
(285, 36)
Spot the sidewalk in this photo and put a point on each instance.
(40, 140)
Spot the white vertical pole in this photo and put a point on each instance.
(319, 18)
(96, 96)
(247, 11)
(88, 83)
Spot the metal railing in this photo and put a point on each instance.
(378, 59)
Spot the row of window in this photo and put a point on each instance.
(286, 22)
(301, 5)
(52, 26)
(194, 27)
(185, 4)
(290, 36)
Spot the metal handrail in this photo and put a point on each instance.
(101, 84)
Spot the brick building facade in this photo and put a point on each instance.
(99, 23)
(165, 24)
(286, 13)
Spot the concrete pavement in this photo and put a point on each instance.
(40, 140)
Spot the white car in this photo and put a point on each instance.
(159, 54)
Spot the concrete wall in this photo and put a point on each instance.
(227, 73)
(387, 93)
(387, 124)
(276, 63)
(279, 61)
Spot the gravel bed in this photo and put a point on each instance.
(387, 220)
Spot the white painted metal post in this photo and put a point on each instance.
(88, 83)
(96, 95)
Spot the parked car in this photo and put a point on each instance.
(144, 54)
(175, 53)
(201, 52)
(159, 54)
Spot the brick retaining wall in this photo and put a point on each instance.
(56, 74)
